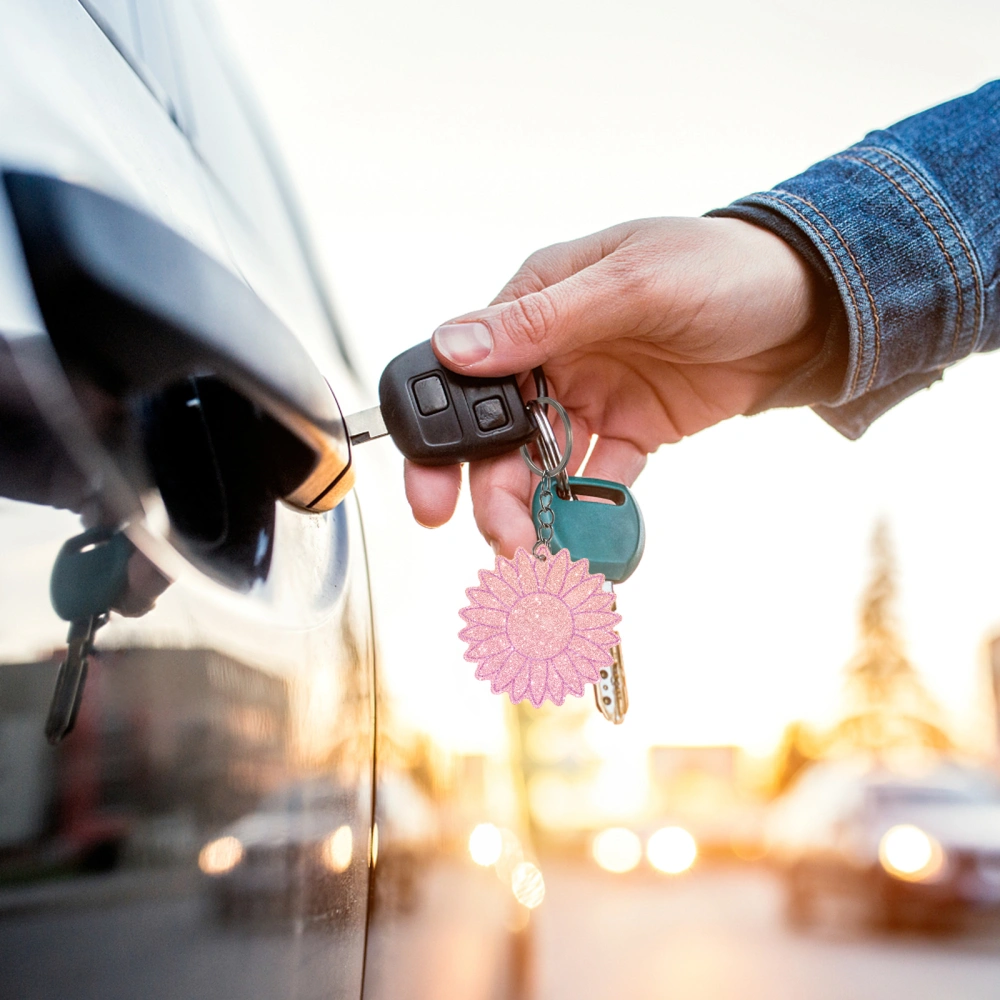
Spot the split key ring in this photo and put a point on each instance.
(548, 447)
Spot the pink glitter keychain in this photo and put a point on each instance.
(541, 626)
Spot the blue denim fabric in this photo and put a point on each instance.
(908, 223)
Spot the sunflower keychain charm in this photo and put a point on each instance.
(541, 625)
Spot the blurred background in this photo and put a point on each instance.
(811, 614)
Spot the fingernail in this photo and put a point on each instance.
(463, 343)
(494, 545)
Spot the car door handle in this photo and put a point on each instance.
(139, 307)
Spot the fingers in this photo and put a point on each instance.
(501, 491)
(432, 492)
(599, 301)
(615, 459)
(556, 263)
(145, 584)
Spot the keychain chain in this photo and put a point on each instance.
(546, 519)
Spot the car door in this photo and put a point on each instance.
(205, 828)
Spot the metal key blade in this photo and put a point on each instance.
(367, 425)
(611, 691)
(70, 681)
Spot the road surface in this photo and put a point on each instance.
(718, 935)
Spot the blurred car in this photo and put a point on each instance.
(171, 370)
(288, 857)
(905, 846)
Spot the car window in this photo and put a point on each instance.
(117, 18)
(137, 29)
(253, 207)
(901, 795)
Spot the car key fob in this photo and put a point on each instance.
(436, 417)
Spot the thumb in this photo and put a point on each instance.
(515, 336)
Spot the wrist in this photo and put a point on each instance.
(808, 342)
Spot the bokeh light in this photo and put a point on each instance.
(910, 854)
(528, 885)
(671, 850)
(617, 849)
(220, 856)
(485, 845)
(337, 849)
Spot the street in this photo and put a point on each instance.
(718, 935)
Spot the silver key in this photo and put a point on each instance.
(72, 677)
(367, 425)
(611, 692)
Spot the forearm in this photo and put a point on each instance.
(906, 225)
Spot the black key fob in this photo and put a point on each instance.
(436, 417)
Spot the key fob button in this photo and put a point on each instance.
(430, 395)
(491, 414)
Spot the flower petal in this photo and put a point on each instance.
(498, 588)
(506, 674)
(490, 647)
(491, 665)
(564, 666)
(581, 591)
(509, 575)
(525, 571)
(519, 688)
(598, 619)
(601, 637)
(485, 616)
(542, 567)
(483, 598)
(555, 684)
(582, 648)
(478, 633)
(599, 601)
(537, 674)
(589, 671)
(576, 572)
(558, 565)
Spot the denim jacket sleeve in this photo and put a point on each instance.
(908, 224)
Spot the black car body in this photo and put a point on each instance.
(236, 812)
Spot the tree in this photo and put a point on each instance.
(888, 705)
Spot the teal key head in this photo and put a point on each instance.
(610, 535)
(90, 573)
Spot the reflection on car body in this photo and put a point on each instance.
(225, 749)
(908, 843)
(290, 856)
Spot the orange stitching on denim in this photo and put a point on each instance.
(959, 235)
(843, 274)
(960, 312)
(864, 281)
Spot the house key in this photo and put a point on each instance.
(611, 536)
(89, 575)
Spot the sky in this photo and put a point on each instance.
(436, 145)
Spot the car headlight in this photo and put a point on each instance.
(671, 850)
(527, 884)
(220, 856)
(485, 845)
(617, 849)
(336, 851)
(906, 852)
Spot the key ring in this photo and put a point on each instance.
(548, 446)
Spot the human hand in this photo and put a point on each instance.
(648, 332)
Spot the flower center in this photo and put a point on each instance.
(540, 626)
